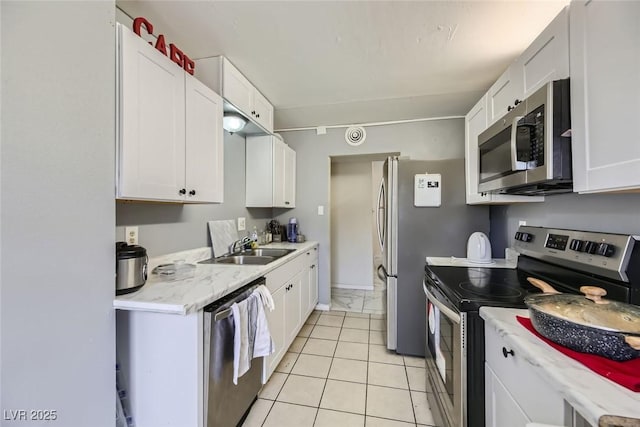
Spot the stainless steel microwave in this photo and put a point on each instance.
(528, 151)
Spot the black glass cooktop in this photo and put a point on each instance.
(468, 288)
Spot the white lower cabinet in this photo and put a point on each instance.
(294, 287)
(515, 394)
(276, 320)
(292, 306)
(500, 408)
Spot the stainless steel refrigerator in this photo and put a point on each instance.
(408, 234)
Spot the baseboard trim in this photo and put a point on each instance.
(323, 307)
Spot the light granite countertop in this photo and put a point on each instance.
(594, 397)
(206, 284)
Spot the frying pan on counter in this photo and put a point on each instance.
(586, 323)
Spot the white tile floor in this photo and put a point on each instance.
(337, 373)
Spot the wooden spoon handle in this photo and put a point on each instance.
(634, 342)
(594, 293)
(542, 285)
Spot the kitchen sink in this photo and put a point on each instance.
(240, 260)
(277, 253)
(260, 256)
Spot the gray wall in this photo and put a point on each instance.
(168, 227)
(615, 213)
(351, 219)
(432, 140)
(57, 101)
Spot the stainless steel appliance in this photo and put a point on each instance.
(455, 332)
(131, 267)
(408, 234)
(528, 151)
(227, 404)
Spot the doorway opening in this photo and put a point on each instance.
(355, 244)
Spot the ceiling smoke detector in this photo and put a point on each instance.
(355, 135)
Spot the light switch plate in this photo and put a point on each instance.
(320, 210)
(131, 235)
(241, 224)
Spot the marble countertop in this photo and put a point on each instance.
(593, 396)
(204, 285)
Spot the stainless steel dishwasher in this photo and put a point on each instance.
(227, 404)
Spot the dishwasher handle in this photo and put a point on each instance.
(220, 309)
(222, 315)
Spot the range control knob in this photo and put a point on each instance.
(605, 249)
(590, 247)
(518, 235)
(576, 245)
(526, 237)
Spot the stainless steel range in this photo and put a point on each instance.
(567, 259)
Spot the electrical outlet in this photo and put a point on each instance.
(522, 222)
(320, 210)
(242, 225)
(131, 235)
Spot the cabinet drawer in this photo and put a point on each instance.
(311, 256)
(536, 398)
(276, 278)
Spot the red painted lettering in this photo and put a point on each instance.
(161, 45)
(176, 55)
(138, 22)
(189, 65)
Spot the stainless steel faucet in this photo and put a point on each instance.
(241, 242)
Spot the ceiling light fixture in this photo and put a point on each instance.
(232, 122)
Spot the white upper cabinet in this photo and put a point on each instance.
(262, 111)
(151, 145)
(270, 173)
(547, 58)
(605, 95)
(474, 123)
(236, 88)
(204, 143)
(170, 144)
(223, 77)
(503, 94)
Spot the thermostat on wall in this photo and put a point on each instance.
(426, 190)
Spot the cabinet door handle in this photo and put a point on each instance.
(516, 102)
(308, 253)
(257, 115)
(253, 113)
(192, 192)
(286, 203)
(182, 191)
(509, 108)
(313, 266)
(506, 353)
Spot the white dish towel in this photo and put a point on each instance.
(241, 360)
(252, 338)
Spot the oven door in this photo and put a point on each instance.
(445, 362)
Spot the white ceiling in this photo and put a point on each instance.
(326, 62)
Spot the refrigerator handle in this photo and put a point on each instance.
(382, 208)
(383, 276)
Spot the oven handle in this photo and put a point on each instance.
(452, 315)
